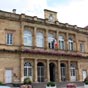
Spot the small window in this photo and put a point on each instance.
(82, 47)
(9, 38)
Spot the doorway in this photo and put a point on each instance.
(40, 69)
(52, 72)
(63, 72)
(8, 76)
(73, 72)
(84, 73)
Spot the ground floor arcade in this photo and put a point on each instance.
(51, 70)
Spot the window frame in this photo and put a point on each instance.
(9, 38)
(27, 38)
(61, 42)
(71, 44)
(82, 47)
(27, 68)
(50, 40)
(39, 39)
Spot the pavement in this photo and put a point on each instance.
(58, 87)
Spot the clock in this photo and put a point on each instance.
(51, 18)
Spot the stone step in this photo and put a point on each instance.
(59, 85)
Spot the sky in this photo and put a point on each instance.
(73, 12)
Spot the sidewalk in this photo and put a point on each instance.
(76, 87)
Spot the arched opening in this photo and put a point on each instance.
(27, 70)
(52, 71)
(40, 69)
(63, 72)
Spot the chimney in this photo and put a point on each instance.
(14, 10)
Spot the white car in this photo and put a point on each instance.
(5, 87)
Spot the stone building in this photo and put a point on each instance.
(42, 49)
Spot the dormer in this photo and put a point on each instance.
(51, 16)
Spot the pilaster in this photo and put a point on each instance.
(46, 39)
(34, 37)
(59, 71)
(35, 70)
(69, 72)
(48, 72)
(22, 69)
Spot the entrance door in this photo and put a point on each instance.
(84, 74)
(52, 72)
(73, 74)
(40, 69)
(8, 76)
(63, 72)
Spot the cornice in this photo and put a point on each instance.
(22, 17)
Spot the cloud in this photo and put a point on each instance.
(75, 12)
(35, 8)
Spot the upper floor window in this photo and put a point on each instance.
(39, 39)
(61, 42)
(27, 38)
(82, 47)
(70, 41)
(51, 41)
(9, 38)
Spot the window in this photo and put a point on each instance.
(82, 47)
(27, 38)
(9, 39)
(39, 39)
(27, 69)
(61, 42)
(51, 41)
(70, 44)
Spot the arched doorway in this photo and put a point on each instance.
(40, 70)
(63, 72)
(27, 70)
(52, 72)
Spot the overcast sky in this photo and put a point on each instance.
(74, 12)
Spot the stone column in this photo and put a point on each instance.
(48, 71)
(46, 39)
(69, 71)
(22, 70)
(59, 71)
(34, 37)
(35, 70)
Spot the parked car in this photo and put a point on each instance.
(5, 87)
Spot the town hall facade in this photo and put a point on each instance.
(41, 49)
